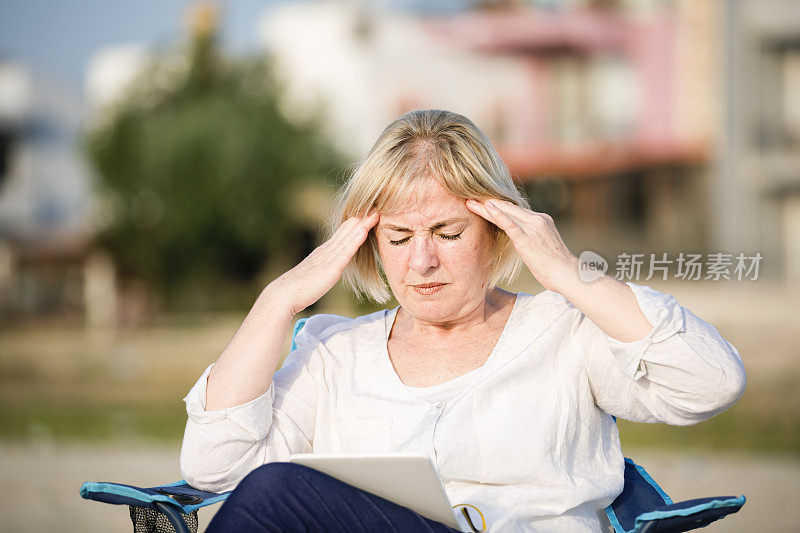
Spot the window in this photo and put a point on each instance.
(779, 106)
(6, 142)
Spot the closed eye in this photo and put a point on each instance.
(442, 235)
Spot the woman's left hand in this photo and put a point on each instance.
(535, 237)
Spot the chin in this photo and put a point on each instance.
(433, 307)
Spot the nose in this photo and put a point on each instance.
(423, 255)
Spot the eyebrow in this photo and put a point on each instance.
(436, 226)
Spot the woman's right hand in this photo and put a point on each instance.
(318, 273)
(244, 369)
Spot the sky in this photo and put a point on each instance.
(57, 38)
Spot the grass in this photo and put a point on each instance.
(77, 421)
(64, 383)
(749, 426)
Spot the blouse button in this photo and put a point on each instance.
(438, 405)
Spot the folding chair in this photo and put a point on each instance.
(641, 507)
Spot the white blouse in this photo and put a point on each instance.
(528, 437)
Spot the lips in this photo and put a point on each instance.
(428, 288)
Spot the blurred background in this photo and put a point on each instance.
(162, 161)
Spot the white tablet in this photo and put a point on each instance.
(406, 479)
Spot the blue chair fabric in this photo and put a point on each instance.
(644, 507)
(179, 495)
(170, 508)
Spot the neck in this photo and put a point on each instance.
(471, 318)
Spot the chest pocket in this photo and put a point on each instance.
(364, 435)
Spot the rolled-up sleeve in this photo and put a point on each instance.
(221, 447)
(682, 372)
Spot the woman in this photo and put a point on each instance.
(512, 395)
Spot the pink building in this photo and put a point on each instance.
(604, 115)
(556, 130)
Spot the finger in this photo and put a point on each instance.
(354, 235)
(493, 210)
(371, 219)
(479, 209)
(337, 253)
(354, 223)
(348, 248)
(504, 221)
(512, 209)
(341, 235)
(360, 231)
(367, 223)
(526, 218)
(349, 236)
(348, 224)
(347, 228)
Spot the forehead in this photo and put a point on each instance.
(429, 203)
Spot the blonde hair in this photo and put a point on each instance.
(416, 146)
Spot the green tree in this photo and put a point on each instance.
(197, 163)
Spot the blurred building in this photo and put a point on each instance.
(603, 113)
(110, 74)
(756, 190)
(641, 125)
(44, 193)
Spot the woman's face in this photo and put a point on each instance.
(435, 254)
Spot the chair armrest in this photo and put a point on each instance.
(687, 515)
(179, 495)
(644, 507)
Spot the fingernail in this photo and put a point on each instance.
(490, 203)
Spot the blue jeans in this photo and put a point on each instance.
(287, 498)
